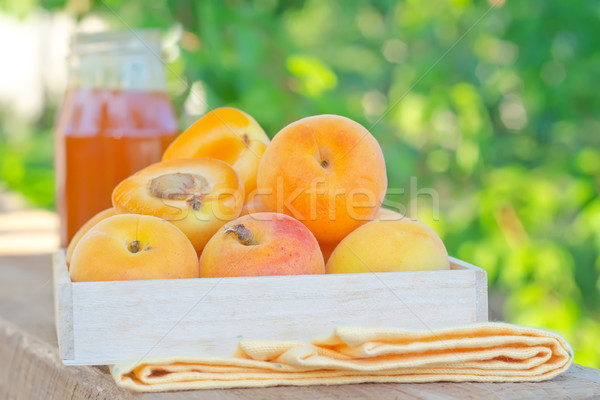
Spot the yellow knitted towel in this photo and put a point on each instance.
(486, 352)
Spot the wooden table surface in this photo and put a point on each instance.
(30, 367)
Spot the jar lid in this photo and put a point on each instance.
(147, 40)
(117, 60)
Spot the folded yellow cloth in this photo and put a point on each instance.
(486, 352)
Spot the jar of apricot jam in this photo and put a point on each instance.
(115, 119)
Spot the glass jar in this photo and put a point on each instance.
(116, 119)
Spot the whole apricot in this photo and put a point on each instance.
(388, 246)
(109, 212)
(131, 247)
(262, 244)
(384, 214)
(327, 171)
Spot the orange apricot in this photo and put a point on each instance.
(389, 246)
(326, 171)
(261, 244)
(227, 134)
(131, 247)
(109, 212)
(383, 214)
(327, 249)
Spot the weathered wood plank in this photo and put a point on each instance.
(31, 369)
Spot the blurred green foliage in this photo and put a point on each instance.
(496, 108)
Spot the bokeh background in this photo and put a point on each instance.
(495, 106)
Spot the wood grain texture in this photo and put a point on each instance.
(119, 321)
(63, 306)
(481, 290)
(30, 367)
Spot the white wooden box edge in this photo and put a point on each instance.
(97, 322)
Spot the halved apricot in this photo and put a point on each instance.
(196, 195)
(226, 134)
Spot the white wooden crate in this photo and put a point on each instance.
(108, 322)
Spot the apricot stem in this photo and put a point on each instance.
(244, 236)
(195, 202)
(134, 246)
(324, 163)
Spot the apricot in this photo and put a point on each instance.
(386, 214)
(227, 134)
(327, 171)
(327, 249)
(109, 212)
(382, 214)
(196, 195)
(388, 246)
(262, 244)
(130, 247)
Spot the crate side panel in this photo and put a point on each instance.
(482, 296)
(116, 321)
(481, 293)
(63, 306)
